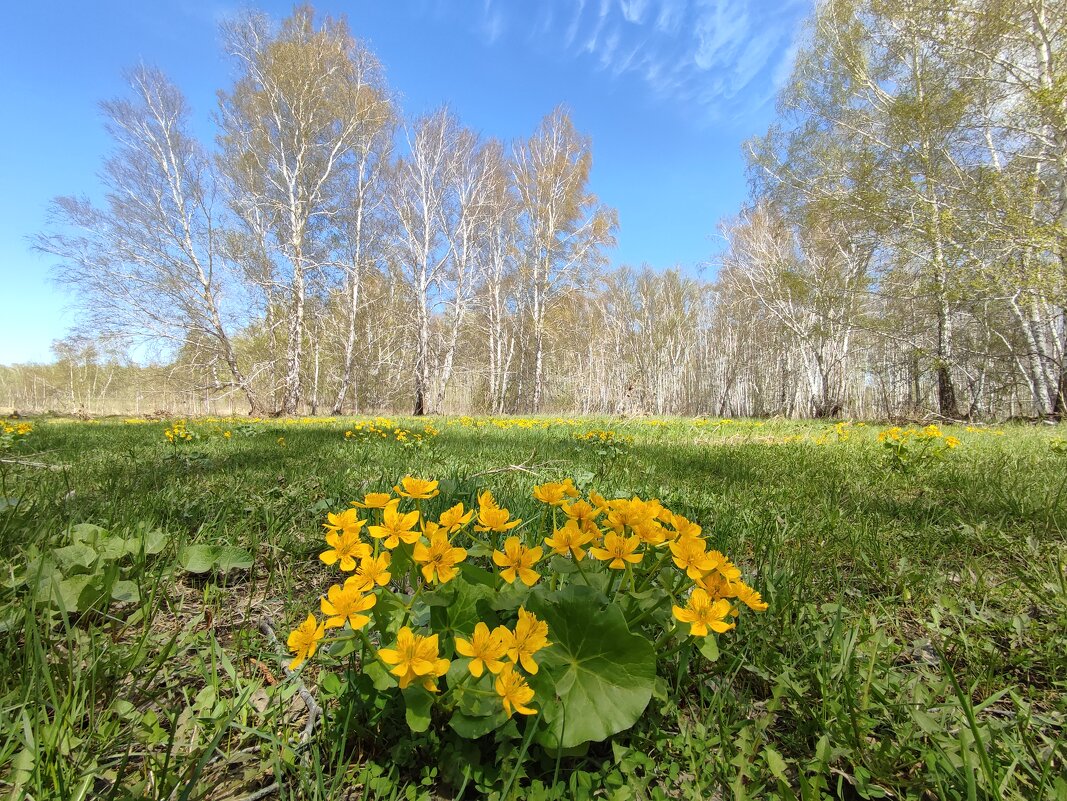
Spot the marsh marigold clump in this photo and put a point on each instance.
(486, 611)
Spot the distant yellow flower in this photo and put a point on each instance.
(494, 518)
(529, 637)
(454, 519)
(555, 493)
(345, 605)
(374, 500)
(372, 570)
(749, 597)
(417, 488)
(702, 614)
(439, 558)
(951, 442)
(345, 547)
(514, 692)
(415, 657)
(568, 541)
(396, 526)
(619, 550)
(485, 648)
(517, 560)
(304, 639)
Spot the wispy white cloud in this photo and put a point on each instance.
(721, 57)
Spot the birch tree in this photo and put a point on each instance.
(564, 226)
(421, 196)
(149, 265)
(291, 128)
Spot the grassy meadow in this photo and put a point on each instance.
(915, 644)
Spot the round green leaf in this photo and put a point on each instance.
(596, 678)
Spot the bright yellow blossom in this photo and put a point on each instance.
(749, 597)
(439, 558)
(347, 521)
(568, 541)
(529, 637)
(345, 605)
(417, 488)
(415, 657)
(493, 518)
(396, 526)
(555, 493)
(517, 560)
(487, 501)
(345, 547)
(514, 692)
(304, 639)
(485, 648)
(454, 519)
(372, 570)
(690, 554)
(374, 500)
(702, 614)
(618, 549)
(581, 511)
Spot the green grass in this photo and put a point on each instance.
(915, 646)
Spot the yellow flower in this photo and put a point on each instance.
(415, 657)
(618, 549)
(632, 512)
(716, 586)
(454, 519)
(347, 521)
(581, 511)
(518, 560)
(345, 547)
(304, 639)
(374, 500)
(514, 692)
(952, 442)
(493, 518)
(529, 637)
(439, 558)
(568, 541)
(417, 488)
(372, 570)
(486, 649)
(487, 501)
(702, 614)
(396, 526)
(749, 597)
(344, 604)
(555, 493)
(690, 554)
(727, 569)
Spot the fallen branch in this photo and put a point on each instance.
(26, 463)
(314, 710)
(526, 467)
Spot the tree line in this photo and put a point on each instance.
(902, 250)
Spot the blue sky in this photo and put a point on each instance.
(667, 89)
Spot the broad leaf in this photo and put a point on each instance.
(417, 705)
(597, 677)
(197, 558)
(232, 558)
